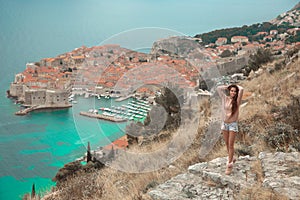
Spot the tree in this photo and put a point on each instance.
(226, 53)
(171, 103)
(33, 191)
(261, 57)
(88, 153)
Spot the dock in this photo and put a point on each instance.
(41, 107)
(26, 110)
(124, 98)
(104, 117)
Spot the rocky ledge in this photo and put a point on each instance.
(207, 180)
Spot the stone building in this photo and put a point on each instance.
(35, 97)
(16, 90)
(56, 97)
(221, 41)
(45, 97)
(235, 39)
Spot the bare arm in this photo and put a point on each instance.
(240, 95)
(220, 90)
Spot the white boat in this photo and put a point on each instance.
(95, 111)
(108, 114)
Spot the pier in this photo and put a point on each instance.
(124, 98)
(104, 117)
(26, 110)
(40, 107)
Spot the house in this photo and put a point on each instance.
(273, 32)
(268, 38)
(235, 39)
(293, 31)
(261, 33)
(221, 41)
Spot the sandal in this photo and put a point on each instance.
(233, 161)
(230, 165)
(228, 170)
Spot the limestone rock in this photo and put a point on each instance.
(207, 180)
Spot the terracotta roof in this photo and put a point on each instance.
(120, 143)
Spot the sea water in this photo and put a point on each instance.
(35, 146)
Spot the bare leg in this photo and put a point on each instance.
(226, 139)
(226, 136)
(231, 146)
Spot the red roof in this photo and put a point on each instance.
(120, 143)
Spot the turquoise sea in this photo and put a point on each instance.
(35, 146)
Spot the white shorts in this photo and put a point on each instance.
(233, 126)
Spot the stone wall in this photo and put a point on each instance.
(194, 52)
(233, 65)
(16, 90)
(45, 97)
(35, 97)
(56, 97)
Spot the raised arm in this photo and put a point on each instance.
(241, 92)
(220, 90)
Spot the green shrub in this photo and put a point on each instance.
(67, 170)
(281, 137)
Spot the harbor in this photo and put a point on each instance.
(135, 110)
(129, 110)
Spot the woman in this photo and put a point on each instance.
(230, 114)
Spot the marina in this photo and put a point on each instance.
(129, 110)
(136, 110)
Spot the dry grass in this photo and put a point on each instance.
(268, 90)
(258, 192)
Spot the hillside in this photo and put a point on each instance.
(269, 120)
(267, 147)
(291, 17)
(255, 32)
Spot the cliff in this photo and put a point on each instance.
(267, 150)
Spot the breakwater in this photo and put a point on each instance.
(101, 116)
(40, 107)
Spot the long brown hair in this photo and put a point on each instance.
(234, 104)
